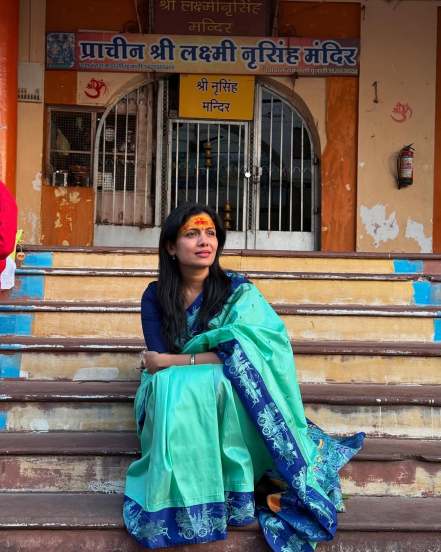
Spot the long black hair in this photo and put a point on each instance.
(170, 292)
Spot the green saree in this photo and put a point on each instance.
(209, 432)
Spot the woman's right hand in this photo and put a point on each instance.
(153, 361)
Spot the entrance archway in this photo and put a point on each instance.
(260, 176)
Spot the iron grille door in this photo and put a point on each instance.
(284, 174)
(207, 164)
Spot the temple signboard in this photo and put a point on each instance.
(106, 51)
(216, 97)
(212, 17)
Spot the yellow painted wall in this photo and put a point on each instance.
(29, 167)
(30, 123)
(398, 50)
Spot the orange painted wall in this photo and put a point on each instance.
(8, 90)
(319, 19)
(339, 160)
(339, 166)
(103, 15)
(60, 87)
(68, 216)
(113, 15)
(437, 160)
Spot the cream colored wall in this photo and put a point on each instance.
(398, 50)
(30, 123)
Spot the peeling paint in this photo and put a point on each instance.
(69, 417)
(36, 183)
(39, 424)
(57, 222)
(74, 197)
(106, 487)
(415, 231)
(32, 220)
(109, 373)
(379, 226)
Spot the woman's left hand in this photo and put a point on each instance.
(153, 361)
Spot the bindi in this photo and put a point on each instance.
(200, 222)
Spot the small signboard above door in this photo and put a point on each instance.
(212, 17)
(216, 97)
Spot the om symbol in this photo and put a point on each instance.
(401, 112)
(96, 87)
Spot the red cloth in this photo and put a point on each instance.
(8, 224)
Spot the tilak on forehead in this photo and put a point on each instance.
(202, 221)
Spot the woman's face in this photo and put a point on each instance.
(196, 244)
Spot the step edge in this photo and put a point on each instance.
(127, 445)
(241, 252)
(420, 505)
(131, 345)
(252, 274)
(313, 309)
(22, 390)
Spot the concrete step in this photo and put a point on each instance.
(117, 540)
(323, 322)
(123, 285)
(390, 410)
(107, 475)
(245, 260)
(97, 462)
(80, 522)
(316, 361)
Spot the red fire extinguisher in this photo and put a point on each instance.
(405, 166)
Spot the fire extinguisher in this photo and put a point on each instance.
(405, 166)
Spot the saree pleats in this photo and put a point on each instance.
(209, 432)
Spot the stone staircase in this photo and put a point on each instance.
(366, 331)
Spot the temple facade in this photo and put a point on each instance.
(294, 125)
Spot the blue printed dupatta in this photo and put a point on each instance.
(258, 367)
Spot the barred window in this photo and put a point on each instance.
(71, 142)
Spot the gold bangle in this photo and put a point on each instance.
(192, 360)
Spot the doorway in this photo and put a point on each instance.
(260, 176)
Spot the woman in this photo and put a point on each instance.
(219, 408)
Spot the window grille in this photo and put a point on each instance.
(70, 147)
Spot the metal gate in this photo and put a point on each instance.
(284, 177)
(208, 163)
(264, 188)
(123, 166)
